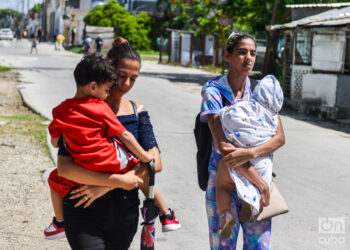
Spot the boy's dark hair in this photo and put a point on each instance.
(94, 68)
(122, 50)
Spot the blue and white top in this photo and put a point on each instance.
(212, 103)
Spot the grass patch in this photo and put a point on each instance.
(213, 69)
(28, 124)
(148, 52)
(4, 68)
(75, 49)
(149, 58)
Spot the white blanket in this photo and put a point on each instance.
(251, 123)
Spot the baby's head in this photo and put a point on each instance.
(269, 93)
(94, 76)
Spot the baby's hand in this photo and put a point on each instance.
(265, 196)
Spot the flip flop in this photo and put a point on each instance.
(226, 230)
(246, 212)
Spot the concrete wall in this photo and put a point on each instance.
(185, 49)
(298, 71)
(106, 33)
(320, 87)
(343, 91)
(78, 23)
(327, 51)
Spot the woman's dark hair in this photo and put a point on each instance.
(94, 68)
(234, 39)
(122, 50)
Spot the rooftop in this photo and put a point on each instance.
(335, 17)
(317, 5)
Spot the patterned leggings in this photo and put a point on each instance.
(256, 235)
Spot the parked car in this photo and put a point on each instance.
(6, 34)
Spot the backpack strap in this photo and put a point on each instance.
(225, 102)
(135, 109)
(253, 83)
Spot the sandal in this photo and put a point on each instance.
(246, 212)
(225, 229)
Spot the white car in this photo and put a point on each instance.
(6, 34)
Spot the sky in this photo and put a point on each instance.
(17, 4)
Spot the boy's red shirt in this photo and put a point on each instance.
(87, 124)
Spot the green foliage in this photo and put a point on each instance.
(4, 13)
(75, 49)
(135, 29)
(201, 16)
(4, 68)
(37, 7)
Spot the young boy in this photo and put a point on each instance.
(247, 124)
(88, 126)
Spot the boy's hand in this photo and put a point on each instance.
(147, 158)
(54, 141)
(130, 181)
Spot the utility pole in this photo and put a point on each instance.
(273, 19)
(269, 66)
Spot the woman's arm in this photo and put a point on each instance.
(157, 160)
(147, 138)
(69, 170)
(242, 155)
(245, 169)
(219, 138)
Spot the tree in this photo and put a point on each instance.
(135, 29)
(249, 15)
(6, 15)
(37, 7)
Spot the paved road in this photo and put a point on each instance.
(313, 167)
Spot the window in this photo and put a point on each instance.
(303, 47)
(73, 4)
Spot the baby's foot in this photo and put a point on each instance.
(246, 212)
(227, 222)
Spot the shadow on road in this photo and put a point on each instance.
(200, 79)
(337, 125)
(34, 68)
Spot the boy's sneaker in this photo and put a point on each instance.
(55, 230)
(169, 221)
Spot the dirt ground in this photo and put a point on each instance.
(25, 208)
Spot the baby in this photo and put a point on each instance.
(247, 124)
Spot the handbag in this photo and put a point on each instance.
(276, 207)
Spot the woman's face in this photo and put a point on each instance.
(127, 71)
(242, 58)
